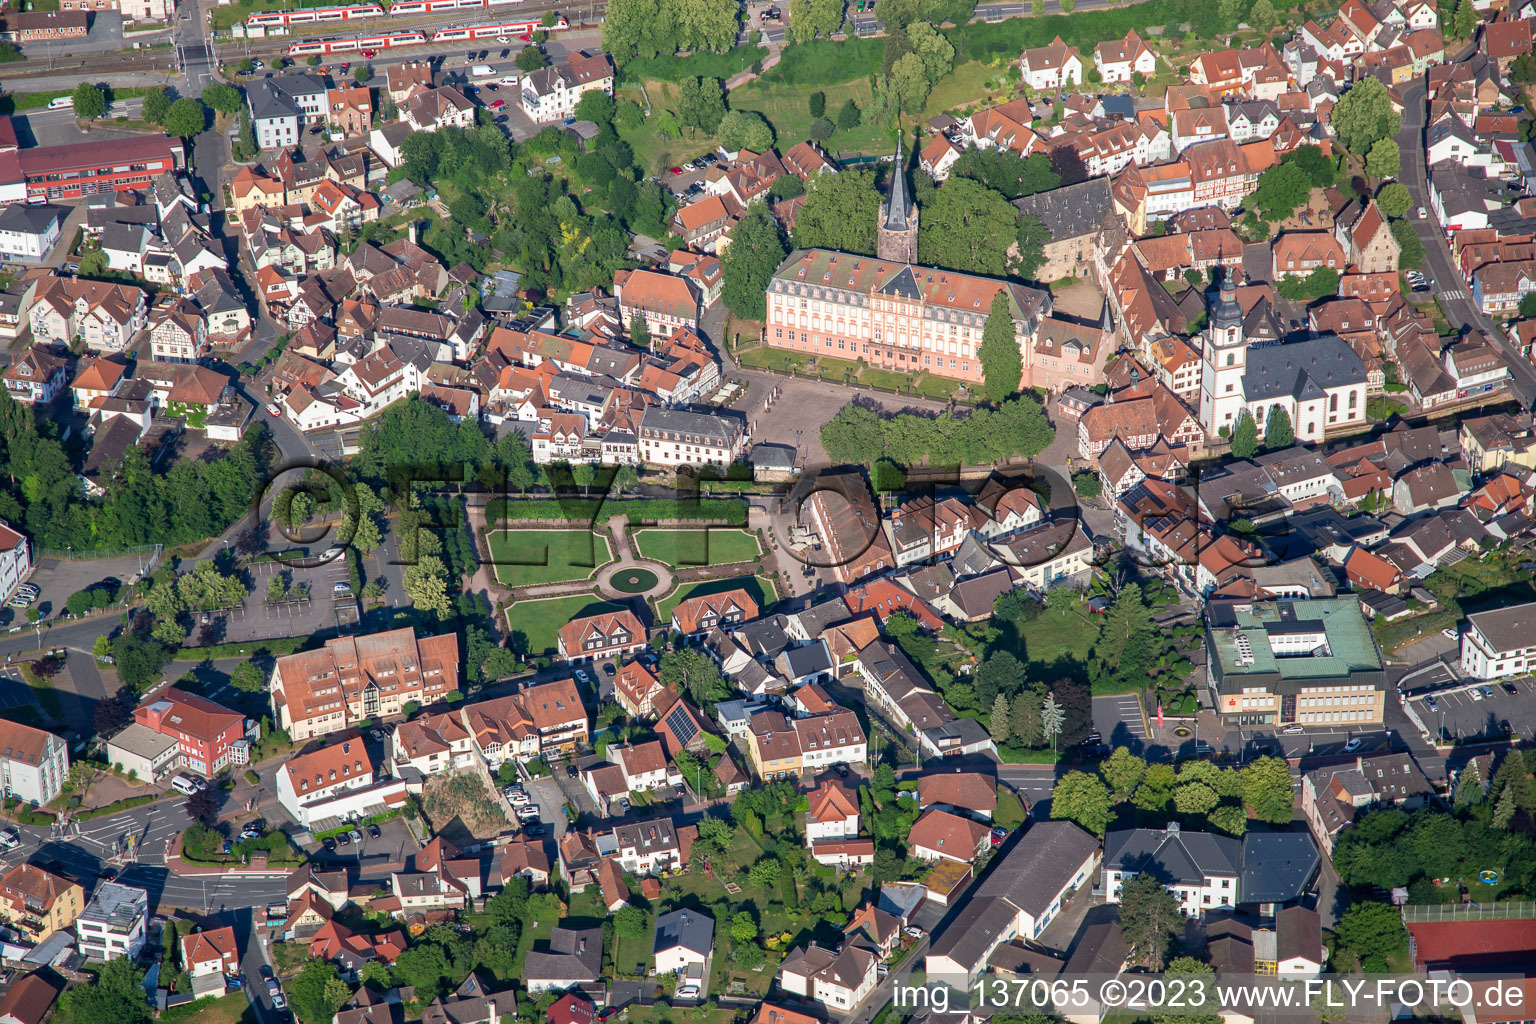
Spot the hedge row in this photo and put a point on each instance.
(732, 511)
(250, 649)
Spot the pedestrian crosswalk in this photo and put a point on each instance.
(1452, 296)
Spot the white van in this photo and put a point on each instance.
(62, 103)
(482, 71)
(183, 785)
(510, 80)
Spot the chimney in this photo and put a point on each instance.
(1173, 828)
(411, 233)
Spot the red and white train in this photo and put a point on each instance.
(441, 6)
(383, 41)
(509, 28)
(386, 40)
(312, 15)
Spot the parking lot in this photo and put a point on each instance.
(1119, 721)
(393, 845)
(324, 611)
(1479, 709)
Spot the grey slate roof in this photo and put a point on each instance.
(1038, 866)
(1070, 211)
(689, 929)
(32, 220)
(1301, 369)
(898, 205)
(1172, 856)
(1277, 866)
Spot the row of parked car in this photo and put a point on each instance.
(25, 594)
(528, 814)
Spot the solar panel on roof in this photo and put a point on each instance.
(682, 725)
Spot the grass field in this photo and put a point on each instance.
(760, 587)
(697, 547)
(1059, 633)
(540, 621)
(526, 557)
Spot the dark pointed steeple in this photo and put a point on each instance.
(896, 231)
(898, 205)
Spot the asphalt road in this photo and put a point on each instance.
(90, 846)
(1450, 287)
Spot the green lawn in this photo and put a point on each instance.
(526, 557)
(697, 547)
(760, 587)
(1058, 633)
(540, 621)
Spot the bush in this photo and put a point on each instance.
(732, 511)
(116, 806)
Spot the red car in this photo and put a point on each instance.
(499, 104)
(370, 54)
(526, 37)
(677, 170)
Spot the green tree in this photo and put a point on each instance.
(693, 673)
(839, 213)
(1278, 432)
(848, 116)
(745, 129)
(530, 59)
(1002, 363)
(1267, 789)
(595, 106)
(1007, 173)
(1228, 818)
(1464, 20)
(1087, 485)
(1149, 918)
(1262, 16)
(1383, 161)
(318, 992)
(90, 100)
(1394, 199)
(820, 130)
(158, 100)
(362, 74)
(1245, 437)
(1314, 163)
(1504, 809)
(1201, 974)
(1083, 799)
(701, 104)
(966, 226)
(247, 678)
(1522, 70)
(1411, 253)
(1364, 115)
(1527, 307)
(936, 52)
(186, 117)
(631, 922)
(639, 332)
(115, 996)
(1194, 798)
(746, 269)
(1230, 12)
(910, 84)
(426, 584)
(818, 104)
(221, 97)
(997, 724)
(1375, 932)
(1123, 771)
(1032, 237)
(743, 928)
(1281, 189)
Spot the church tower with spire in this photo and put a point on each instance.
(1224, 363)
(896, 232)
